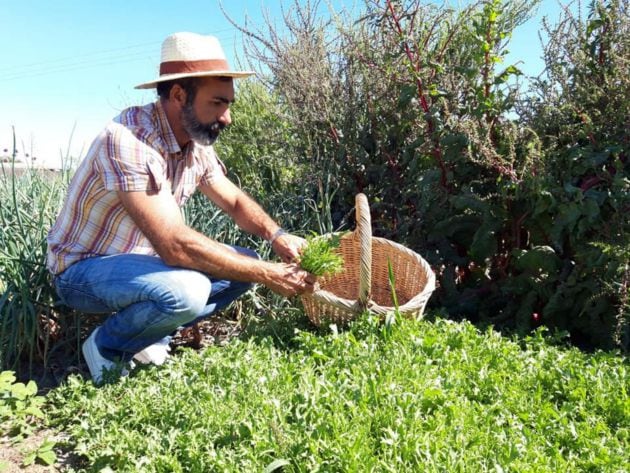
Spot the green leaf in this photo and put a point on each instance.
(506, 73)
(48, 457)
(19, 391)
(469, 202)
(591, 210)
(34, 411)
(407, 94)
(538, 259)
(392, 283)
(565, 221)
(484, 243)
(464, 224)
(6, 377)
(276, 464)
(31, 388)
(593, 25)
(544, 201)
(29, 459)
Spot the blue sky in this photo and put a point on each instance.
(72, 64)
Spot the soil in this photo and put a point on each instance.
(12, 454)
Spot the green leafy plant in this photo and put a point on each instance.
(391, 317)
(412, 396)
(20, 407)
(413, 103)
(43, 454)
(460, 162)
(392, 283)
(319, 257)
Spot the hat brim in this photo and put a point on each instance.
(168, 77)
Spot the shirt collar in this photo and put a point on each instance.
(172, 147)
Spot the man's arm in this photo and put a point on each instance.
(159, 218)
(249, 216)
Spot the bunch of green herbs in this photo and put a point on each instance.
(320, 256)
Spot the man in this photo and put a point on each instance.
(120, 243)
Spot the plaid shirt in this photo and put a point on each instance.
(137, 151)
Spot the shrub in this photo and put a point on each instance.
(416, 108)
(581, 111)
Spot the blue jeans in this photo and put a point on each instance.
(149, 299)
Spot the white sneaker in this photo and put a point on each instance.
(97, 363)
(157, 353)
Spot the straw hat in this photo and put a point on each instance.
(192, 55)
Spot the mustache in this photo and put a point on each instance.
(216, 127)
(203, 133)
(212, 132)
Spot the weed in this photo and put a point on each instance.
(20, 407)
(43, 454)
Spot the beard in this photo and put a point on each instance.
(204, 134)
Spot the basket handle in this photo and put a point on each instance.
(364, 231)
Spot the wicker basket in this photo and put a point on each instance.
(364, 283)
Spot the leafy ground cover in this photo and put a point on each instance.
(408, 396)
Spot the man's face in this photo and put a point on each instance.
(208, 112)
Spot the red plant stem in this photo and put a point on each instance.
(446, 43)
(437, 149)
(486, 66)
(333, 133)
(412, 60)
(591, 137)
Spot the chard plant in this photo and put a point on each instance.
(501, 189)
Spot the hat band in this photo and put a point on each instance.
(206, 65)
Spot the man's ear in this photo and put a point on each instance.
(178, 95)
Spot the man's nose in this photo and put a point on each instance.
(225, 118)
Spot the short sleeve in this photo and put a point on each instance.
(212, 167)
(129, 164)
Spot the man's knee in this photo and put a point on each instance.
(188, 293)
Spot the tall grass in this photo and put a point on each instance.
(29, 201)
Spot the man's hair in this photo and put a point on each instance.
(189, 84)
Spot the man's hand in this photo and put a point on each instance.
(288, 246)
(290, 280)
